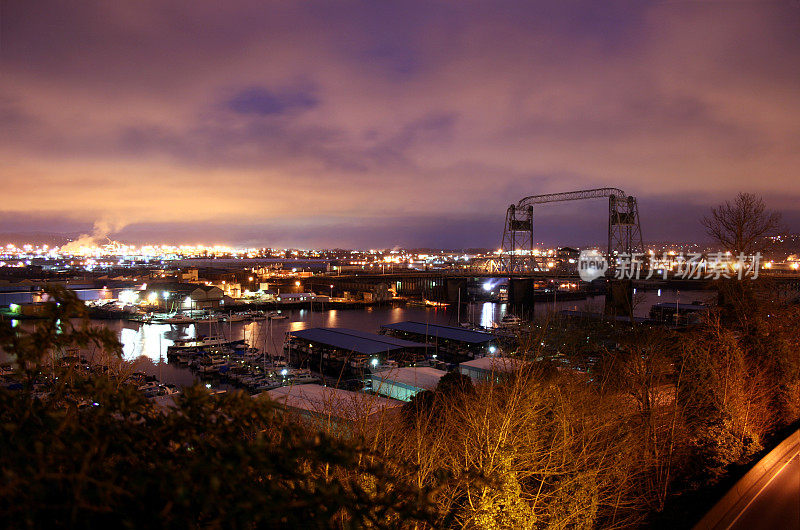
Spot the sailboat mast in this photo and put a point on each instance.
(458, 318)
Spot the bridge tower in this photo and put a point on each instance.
(517, 245)
(624, 229)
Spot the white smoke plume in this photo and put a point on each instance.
(99, 236)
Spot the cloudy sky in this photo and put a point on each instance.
(380, 123)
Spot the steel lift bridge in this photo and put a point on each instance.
(624, 230)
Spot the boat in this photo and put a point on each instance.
(267, 385)
(236, 317)
(202, 342)
(274, 315)
(153, 391)
(388, 364)
(510, 321)
(184, 350)
(177, 318)
(305, 380)
(212, 364)
(255, 315)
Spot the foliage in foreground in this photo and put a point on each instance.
(92, 452)
(556, 445)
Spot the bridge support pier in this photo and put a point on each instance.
(619, 298)
(452, 288)
(521, 296)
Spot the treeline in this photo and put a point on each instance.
(603, 428)
(609, 424)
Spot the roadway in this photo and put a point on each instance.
(777, 504)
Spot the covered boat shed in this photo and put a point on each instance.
(405, 383)
(454, 342)
(488, 369)
(351, 349)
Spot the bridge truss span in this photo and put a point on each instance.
(570, 196)
(624, 229)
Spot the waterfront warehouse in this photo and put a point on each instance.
(348, 351)
(404, 383)
(450, 343)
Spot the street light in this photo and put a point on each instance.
(331, 290)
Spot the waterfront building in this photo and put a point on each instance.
(447, 342)
(328, 407)
(340, 351)
(173, 296)
(488, 369)
(405, 382)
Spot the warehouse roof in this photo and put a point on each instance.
(326, 400)
(354, 340)
(442, 332)
(494, 364)
(418, 377)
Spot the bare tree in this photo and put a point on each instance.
(741, 226)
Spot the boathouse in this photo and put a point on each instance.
(404, 383)
(448, 342)
(348, 351)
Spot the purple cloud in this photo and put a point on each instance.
(263, 102)
(366, 116)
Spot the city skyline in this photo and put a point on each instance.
(317, 125)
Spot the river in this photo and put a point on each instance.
(146, 344)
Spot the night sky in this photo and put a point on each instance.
(377, 124)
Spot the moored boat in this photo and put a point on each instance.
(177, 318)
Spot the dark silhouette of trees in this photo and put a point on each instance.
(742, 225)
(84, 448)
(604, 425)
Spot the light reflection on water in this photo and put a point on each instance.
(152, 340)
(146, 344)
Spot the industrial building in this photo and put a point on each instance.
(173, 296)
(298, 297)
(348, 351)
(447, 342)
(404, 383)
(490, 368)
